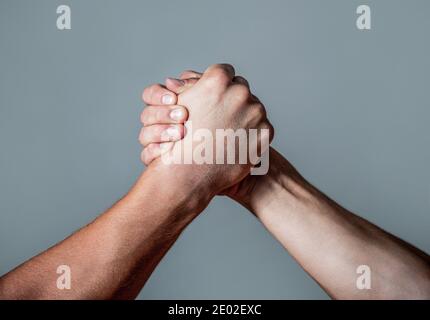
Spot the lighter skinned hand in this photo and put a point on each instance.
(216, 99)
(158, 119)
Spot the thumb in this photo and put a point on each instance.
(180, 85)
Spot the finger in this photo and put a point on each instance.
(161, 133)
(187, 74)
(163, 115)
(155, 150)
(157, 94)
(267, 129)
(255, 98)
(241, 80)
(180, 85)
(266, 134)
(271, 130)
(218, 74)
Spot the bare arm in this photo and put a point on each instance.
(330, 242)
(114, 255)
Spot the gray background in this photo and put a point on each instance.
(350, 108)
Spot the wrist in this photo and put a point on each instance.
(281, 182)
(176, 186)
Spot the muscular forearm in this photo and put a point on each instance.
(113, 256)
(330, 242)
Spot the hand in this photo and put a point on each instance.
(214, 101)
(160, 118)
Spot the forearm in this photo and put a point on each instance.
(113, 256)
(330, 242)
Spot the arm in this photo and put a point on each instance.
(330, 242)
(114, 256)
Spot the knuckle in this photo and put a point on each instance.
(147, 136)
(266, 125)
(148, 92)
(261, 110)
(151, 148)
(226, 67)
(258, 111)
(154, 115)
(145, 93)
(145, 116)
(240, 93)
(242, 80)
(142, 136)
(220, 77)
(221, 74)
(145, 156)
(142, 156)
(158, 114)
(272, 131)
(255, 98)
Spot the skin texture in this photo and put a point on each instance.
(112, 257)
(153, 135)
(328, 241)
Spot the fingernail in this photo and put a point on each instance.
(177, 114)
(178, 82)
(167, 99)
(173, 132)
